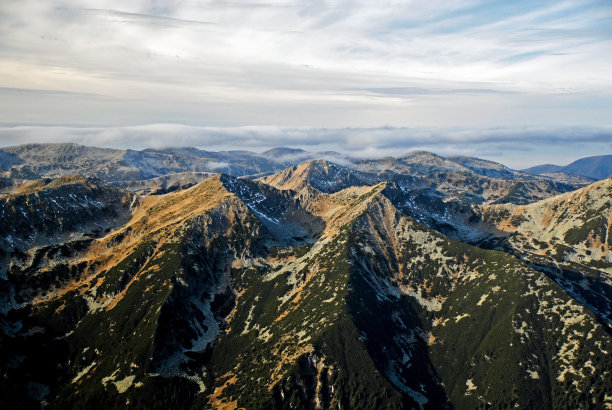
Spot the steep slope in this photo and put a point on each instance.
(579, 220)
(439, 200)
(8, 159)
(380, 295)
(322, 175)
(8, 185)
(480, 189)
(408, 193)
(158, 300)
(570, 237)
(472, 180)
(142, 301)
(233, 293)
(164, 184)
(291, 320)
(46, 212)
(508, 322)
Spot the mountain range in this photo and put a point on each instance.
(33, 161)
(299, 280)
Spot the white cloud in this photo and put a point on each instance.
(516, 147)
(217, 164)
(312, 63)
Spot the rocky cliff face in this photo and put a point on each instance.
(318, 287)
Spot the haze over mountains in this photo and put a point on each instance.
(300, 280)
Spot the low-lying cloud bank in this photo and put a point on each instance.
(513, 146)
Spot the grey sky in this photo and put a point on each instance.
(409, 66)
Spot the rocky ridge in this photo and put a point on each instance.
(318, 287)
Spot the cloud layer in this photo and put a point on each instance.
(515, 147)
(521, 82)
(306, 63)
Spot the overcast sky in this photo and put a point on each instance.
(521, 82)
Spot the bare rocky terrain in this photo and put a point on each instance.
(412, 282)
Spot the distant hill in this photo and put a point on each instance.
(597, 167)
(543, 169)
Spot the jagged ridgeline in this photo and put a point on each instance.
(317, 287)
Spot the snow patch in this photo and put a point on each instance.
(395, 379)
(483, 298)
(470, 387)
(83, 372)
(124, 384)
(533, 374)
(109, 378)
(432, 305)
(463, 316)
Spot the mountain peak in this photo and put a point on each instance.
(282, 151)
(321, 174)
(320, 164)
(419, 153)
